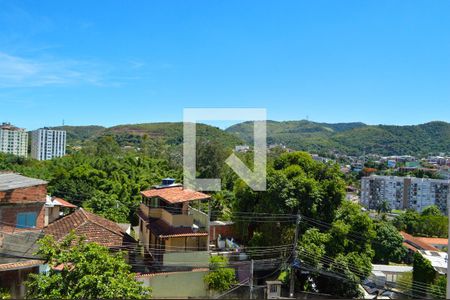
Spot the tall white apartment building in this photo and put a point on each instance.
(405, 192)
(47, 144)
(13, 140)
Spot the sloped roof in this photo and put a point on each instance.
(95, 228)
(11, 181)
(434, 241)
(175, 194)
(17, 250)
(416, 243)
(64, 203)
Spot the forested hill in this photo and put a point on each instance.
(353, 138)
(132, 134)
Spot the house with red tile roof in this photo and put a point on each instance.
(93, 227)
(170, 228)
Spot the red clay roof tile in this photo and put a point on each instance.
(95, 228)
(176, 194)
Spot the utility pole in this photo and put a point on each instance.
(251, 279)
(294, 256)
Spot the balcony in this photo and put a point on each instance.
(175, 220)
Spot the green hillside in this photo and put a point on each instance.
(354, 138)
(132, 134)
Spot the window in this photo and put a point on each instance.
(26, 220)
(273, 288)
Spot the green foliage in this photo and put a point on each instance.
(339, 251)
(384, 207)
(353, 138)
(423, 273)
(4, 294)
(428, 224)
(438, 288)
(388, 244)
(220, 278)
(89, 271)
(108, 184)
(431, 210)
(297, 183)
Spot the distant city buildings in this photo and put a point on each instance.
(48, 143)
(13, 140)
(404, 192)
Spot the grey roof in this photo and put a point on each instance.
(10, 181)
(19, 247)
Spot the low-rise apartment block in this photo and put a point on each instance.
(13, 140)
(404, 192)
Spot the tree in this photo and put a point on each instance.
(384, 207)
(423, 274)
(107, 206)
(431, 210)
(220, 278)
(388, 244)
(89, 271)
(340, 255)
(438, 288)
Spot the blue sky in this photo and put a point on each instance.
(116, 62)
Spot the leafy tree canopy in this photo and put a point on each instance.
(89, 271)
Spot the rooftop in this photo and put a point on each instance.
(95, 228)
(416, 243)
(175, 194)
(11, 181)
(17, 250)
(434, 241)
(437, 259)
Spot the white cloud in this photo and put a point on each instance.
(17, 71)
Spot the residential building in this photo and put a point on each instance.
(22, 203)
(48, 143)
(404, 192)
(13, 140)
(386, 274)
(22, 218)
(174, 233)
(439, 243)
(93, 227)
(437, 259)
(242, 148)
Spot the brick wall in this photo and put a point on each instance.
(8, 215)
(224, 231)
(29, 194)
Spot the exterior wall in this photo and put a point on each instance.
(8, 215)
(177, 285)
(200, 218)
(405, 192)
(189, 259)
(14, 281)
(47, 144)
(223, 230)
(179, 244)
(175, 220)
(36, 193)
(51, 214)
(14, 141)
